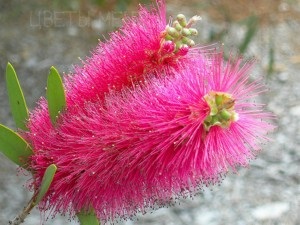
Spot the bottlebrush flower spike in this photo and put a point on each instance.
(140, 46)
(153, 143)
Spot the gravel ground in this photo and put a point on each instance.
(33, 38)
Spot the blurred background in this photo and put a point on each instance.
(34, 35)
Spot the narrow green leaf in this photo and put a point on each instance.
(55, 94)
(88, 218)
(14, 147)
(271, 61)
(46, 182)
(251, 31)
(16, 98)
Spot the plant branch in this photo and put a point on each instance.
(25, 212)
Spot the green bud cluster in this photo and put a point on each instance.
(221, 110)
(180, 32)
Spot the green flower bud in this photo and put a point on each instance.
(193, 31)
(179, 32)
(186, 32)
(182, 20)
(214, 120)
(219, 99)
(191, 43)
(173, 32)
(178, 44)
(186, 40)
(177, 26)
(169, 38)
(220, 114)
(225, 115)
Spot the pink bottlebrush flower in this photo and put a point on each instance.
(145, 44)
(150, 144)
(142, 45)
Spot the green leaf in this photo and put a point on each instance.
(55, 94)
(252, 24)
(88, 218)
(46, 182)
(14, 147)
(271, 61)
(16, 98)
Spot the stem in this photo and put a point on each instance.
(37, 196)
(21, 217)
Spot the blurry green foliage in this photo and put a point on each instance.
(271, 62)
(119, 5)
(252, 26)
(217, 36)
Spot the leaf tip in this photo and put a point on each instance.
(9, 66)
(53, 69)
